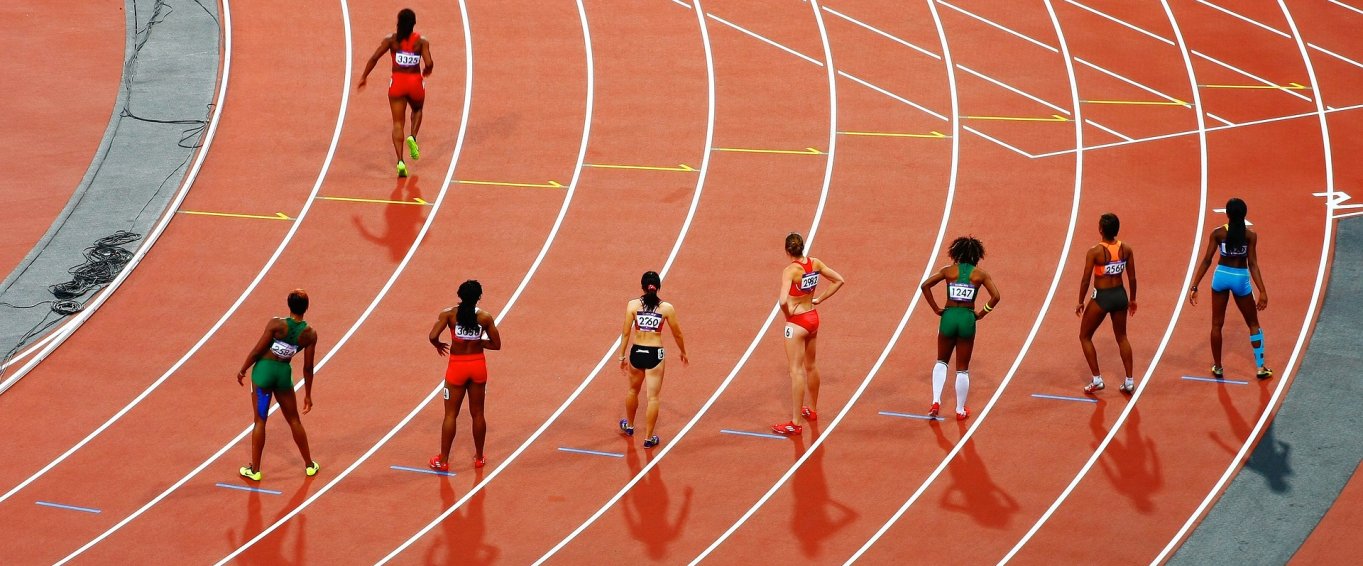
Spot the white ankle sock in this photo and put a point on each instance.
(962, 388)
(939, 380)
(1097, 379)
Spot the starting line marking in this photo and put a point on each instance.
(1288, 86)
(1053, 118)
(1174, 102)
(422, 471)
(415, 200)
(757, 434)
(681, 167)
(244, 488)
(549, 185)
(1215, 380)
(805, 151)
(933, 134)
(277, 215)
(911, 416)
(1064, 398)
(68, 507)
(591, 452)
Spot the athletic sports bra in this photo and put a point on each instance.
(463, 334)
(647, 319)
(1238, 251)
(1114, 266)
(287, 347)
(405, 55)
(961, 290)
(808, 281)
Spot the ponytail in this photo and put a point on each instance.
(466, 315)
(651, 283)
(795, 244)
(406, 23)
(1235, 229)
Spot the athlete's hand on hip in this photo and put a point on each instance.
(1263, 301)
(979, 314)
(1192, 297)
(938, 310)
(307, 403)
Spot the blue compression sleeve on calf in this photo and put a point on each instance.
(263, 403)
(1258, 350)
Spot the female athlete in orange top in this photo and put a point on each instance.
(798, 282)
(1105, 263)
(410, 53)
(472, 330)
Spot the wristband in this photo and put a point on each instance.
(1193, 288)
(988, 308)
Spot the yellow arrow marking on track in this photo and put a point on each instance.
(684, 168)
(933, 134)
(1053, 118)
(549, 185)
(415, 200)
(805, 151)
(1175, 102)
(1288, 86)
(277, 215)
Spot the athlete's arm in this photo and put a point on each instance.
(994, 297)
(1131, 277)
(258, 349)
(429, 63)
(309, 353)
(441, 322)
(624, 332)
(676, 331)
(783, 295)
(374, 59)
(1253, 240)
(926, 289)
(1202, 268)
(1089, 260)
(833, 276)
(494, 338)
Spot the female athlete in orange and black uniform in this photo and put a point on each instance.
(1239, 264)
(798, 282)
(1105, 263)
(473, 330)
(410, 52)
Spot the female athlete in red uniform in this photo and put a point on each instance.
(1239, 264)
(472, 330)
(798, 281)
(1105, 263)
(642, 338)
(410, 52)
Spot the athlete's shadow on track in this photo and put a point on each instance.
(464, 529)
(270, 550)
(980, 498)
(1270, 458)
(817, 516)
(646, 508)
(1133, 466)
(401, 221)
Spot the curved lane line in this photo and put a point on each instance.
(1310, 311)
(1045, 306)
(1178, 306)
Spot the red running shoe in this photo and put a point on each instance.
(809, 413)
(439, 466)
(788, 429)
(479, 462)
(963, 416)
(935, 410)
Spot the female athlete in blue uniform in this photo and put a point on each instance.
(957, 328)
(272, 376)
(1238, 265)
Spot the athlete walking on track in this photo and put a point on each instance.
(272, 376)
(1104, 264)
(642, 338)
(472, 330)
(412, 61)
(1237, 266)
(957, 328)
(799, 280)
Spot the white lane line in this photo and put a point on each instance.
(702, 173)
(1108, 130)
(765, 40)
(1122, 22)
(1244, 18)
(903, 319)
(1327, 241)
(683, 4)
(1009, 88)
(1006, 145)
(1346, 6)
(1131, 82)
(1220, 119)
(1258, 78)
(882, 33)
(1041, 314)
(892, 95)
(813, 231)
(1336, 55)
(1001, 27)
(1193, 256)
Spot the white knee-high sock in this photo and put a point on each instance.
(962, 389)
(939, 380)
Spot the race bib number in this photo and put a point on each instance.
(468, 334)
(809, 281)
(648, 321)
(789, 332)
(1114, 268)
(961, 292)
(407, 59)
(283, 350)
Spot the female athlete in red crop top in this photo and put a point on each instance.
(410, 52)
(1104, 264)
(798, 282)
(473, 330)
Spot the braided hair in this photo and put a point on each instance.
(466, 315)
(1235, 231)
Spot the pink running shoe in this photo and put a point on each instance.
(439, 466)
(788, 429)
(963, 416)
(935, 410)
(809, 413)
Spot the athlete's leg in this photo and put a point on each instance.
(1093, 316)
(795, 357)
(399, 109)
(416, 116)
(288, 405)
(945, 345)
(964, 347)
(636, 382)
(654, 379)
(1219, 299)
(1123, 345)
(454, 397)
(1251, 313)
(258, 429)
(812, 372)
(477, 393)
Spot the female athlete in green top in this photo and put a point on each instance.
(272, 376)
(957, 328)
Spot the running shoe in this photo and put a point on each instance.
(651, 442)
(960, 416)
(1218, 372)
(809, 413)
(479, 462)
(625, 428)
(935, 410)
(249, 473)
(402, 169)
(313, 469)
(1264, 373)
(1092, 388)
(1127, 388)
(412, 149)
(788, 429)
(438, 465)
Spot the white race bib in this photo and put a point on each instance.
(961, 292)
(283, 350)
(406, 59)
(809, 281)
(1114, 267)
(648, 321)
(468, 334)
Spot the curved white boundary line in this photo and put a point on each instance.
(1193, 257)
(1311, 309)
(814, 227)
(1045, 306)
(903, 321)
(55, 338)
